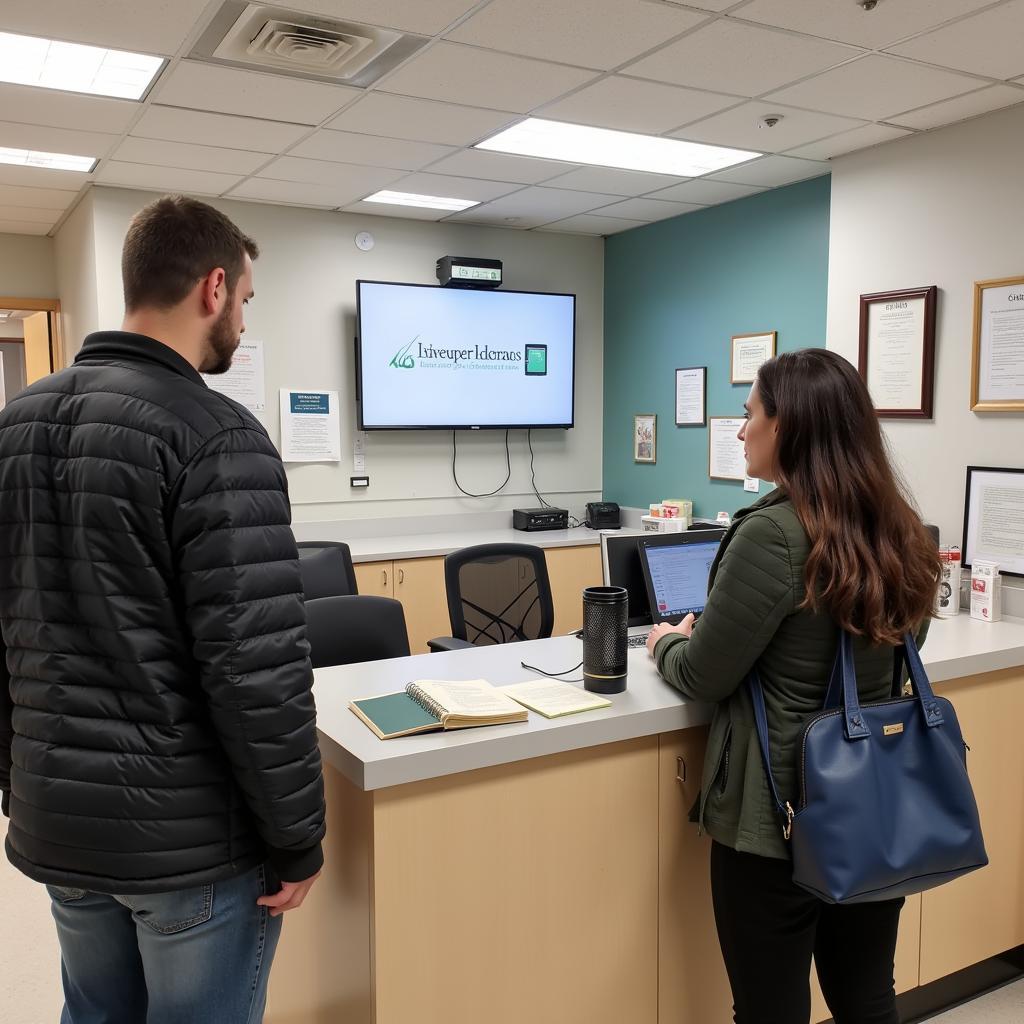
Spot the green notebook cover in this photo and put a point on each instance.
(395, 714)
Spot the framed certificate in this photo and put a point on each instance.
(645, 437)
(749, 351)
(897, 351)
(692, 396)
(997, 370)
(725, 449)
(994, 518)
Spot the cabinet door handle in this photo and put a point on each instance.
(385, 573)
(680, 770)
(401, 576)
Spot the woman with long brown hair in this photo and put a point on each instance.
(836, 546)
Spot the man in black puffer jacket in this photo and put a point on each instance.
(158, 749)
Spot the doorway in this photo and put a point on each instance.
(30, 343)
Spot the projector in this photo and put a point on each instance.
(467, 272)
(533, 519)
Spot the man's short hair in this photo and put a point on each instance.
(172, 244)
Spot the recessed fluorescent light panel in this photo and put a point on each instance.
(428, 202)
(29, 60)
(580, 144)
(52, 161)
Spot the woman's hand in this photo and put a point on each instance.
(685, 628)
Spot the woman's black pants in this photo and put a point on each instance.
(769, 928)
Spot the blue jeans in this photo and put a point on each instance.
(196, 956)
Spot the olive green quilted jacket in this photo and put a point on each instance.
(752, 616)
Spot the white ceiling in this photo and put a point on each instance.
(705, 70)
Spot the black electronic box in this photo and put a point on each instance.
(540, 519)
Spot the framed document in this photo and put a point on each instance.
(749, 351)
(994, 518)
(997, 370)
(692, 396)
(645, 437)
(897, 351)
(725, 449)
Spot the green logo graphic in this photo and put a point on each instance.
(536, 360)
(401, 360)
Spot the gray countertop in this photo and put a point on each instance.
(956, 648)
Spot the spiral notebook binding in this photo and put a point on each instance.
(428, 704)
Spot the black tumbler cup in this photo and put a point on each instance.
(605, 615)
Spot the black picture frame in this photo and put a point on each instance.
(971, 470)
(703, 421)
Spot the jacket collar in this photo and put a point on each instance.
(773, 497)
(123, 346)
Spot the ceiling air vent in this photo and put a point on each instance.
(265, 38)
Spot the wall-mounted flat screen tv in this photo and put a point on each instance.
(451, 358)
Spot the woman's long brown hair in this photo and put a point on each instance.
(873, 566)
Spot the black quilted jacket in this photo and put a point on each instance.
(157, 729)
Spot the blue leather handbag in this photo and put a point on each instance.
(885, 808)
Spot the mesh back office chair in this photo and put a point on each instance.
(497, 594)
(355, 628)
(326, 568)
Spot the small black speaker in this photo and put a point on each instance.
(605, 614)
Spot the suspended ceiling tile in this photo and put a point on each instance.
(850, 23)
(427, 17)
(613, 180)
(23, 227)
(38, 198)
(599, 33)
(168, 179)
(745, 60)
(55, 140)
(705, 193)
(633, 105)
(741, 127)
(41, 177)
(55, 109)
(990, 43)
(772, 171)
(193, 158)
(534, 206)
(981, 102)
(876, 87)
(464, 74)
(396, 210)
(295, 193)
(591, 224)
(355, 180)
(648, 210)
(250, 133)
(29, 214)
(404, 117)
(477, 163)
(426, 184)
(847, 142)
(251, 94)
(374, 150)
(161, 27)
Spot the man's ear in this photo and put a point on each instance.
(212, 290)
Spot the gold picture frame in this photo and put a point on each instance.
(992, 298)
(753, 348)
(645, 437)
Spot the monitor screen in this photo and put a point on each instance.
(432, 357)
(677, 575)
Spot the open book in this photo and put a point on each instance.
(429, 704)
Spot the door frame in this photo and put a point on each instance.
(52, 307)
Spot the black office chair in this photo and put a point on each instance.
(326, 568)
(497, 594)
(355, 628)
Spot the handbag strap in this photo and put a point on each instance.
(842, 688)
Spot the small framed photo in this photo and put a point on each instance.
(997, 367)
(692, 396)
(749, 351)
(993, 524)
(645, 437)
(897, 351)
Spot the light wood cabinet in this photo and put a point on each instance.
(570, 570)
(419, 584)
(982, 914)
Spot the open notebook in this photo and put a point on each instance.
(429, 704)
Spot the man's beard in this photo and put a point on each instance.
(220, 345)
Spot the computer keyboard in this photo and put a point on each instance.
(640, 640)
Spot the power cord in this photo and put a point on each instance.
(487, 494)
(575, 524)
(555, 675)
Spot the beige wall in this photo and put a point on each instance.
(943, 208)
(304, 311)
(27, 267)
(75, 252)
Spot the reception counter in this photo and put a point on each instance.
(546, 871)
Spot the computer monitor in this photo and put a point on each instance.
(676, 568)
(620, 566)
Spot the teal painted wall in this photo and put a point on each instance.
(675, 293)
